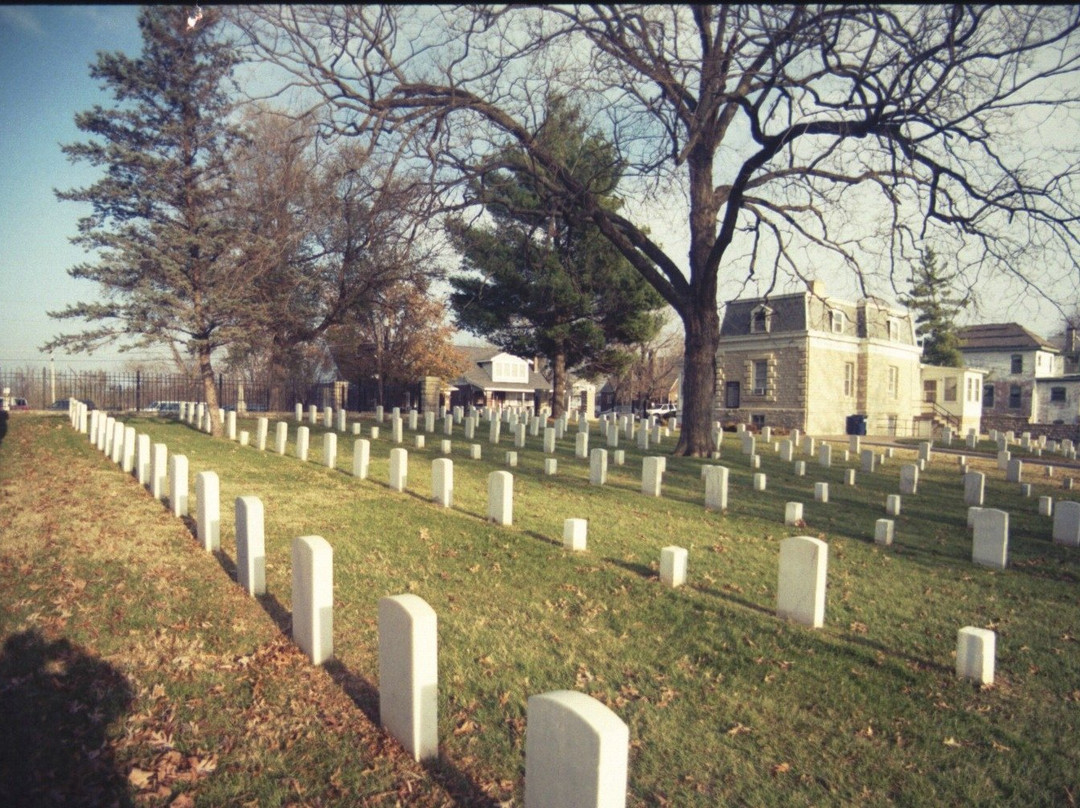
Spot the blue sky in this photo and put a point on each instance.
(45, 54)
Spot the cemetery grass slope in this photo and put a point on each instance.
(726, 704)
(133, 672)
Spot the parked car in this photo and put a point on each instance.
(163, 407)
(663, 410)
(62, 404)
(16, 403)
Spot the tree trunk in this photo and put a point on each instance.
(558, 385)
(206, 372)
(702, 325)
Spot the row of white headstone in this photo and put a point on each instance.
(576, 748)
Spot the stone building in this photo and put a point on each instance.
(811, 362)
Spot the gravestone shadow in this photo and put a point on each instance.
(57, 702)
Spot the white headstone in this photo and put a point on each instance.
(142, 459)
(801, 590)
(178, 485)
(716, 487)
(909, 479)
(501, 497)
(598, 461)
(990, 546)
(892, 504)
(1046, 506)
(825, 455)
(399, 468)
(262, 429)
(673, 566)
(974, 488)
(883, 532)
(361, 457)
(760, 481)
(581, 445)
(208, 510)
(1014, 471)
(281, 437)
(409, 674)
(313, 597)
(821, 492)
(793, 513)
(551, 466)
(576, 752)
(159, 470)
(652, 475)
(302, 436)
(575, 534)
(442, 481)
(869, 461)
(1067, 523)
(975, 652)
(329, 448)
(250, 545)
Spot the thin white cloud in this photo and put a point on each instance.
(22, 18)
(103, 18)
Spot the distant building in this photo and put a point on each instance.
(810, 362)
(495, 378)
(1014, 359)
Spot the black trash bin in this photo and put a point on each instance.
(856, 424)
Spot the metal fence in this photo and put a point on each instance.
(137, 390)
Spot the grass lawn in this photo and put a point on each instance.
(726, 704)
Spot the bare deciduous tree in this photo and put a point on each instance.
(797, 135)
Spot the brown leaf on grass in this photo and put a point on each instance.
(140, 779)
(738, 729)
(781, 768)
(184, 800)
(466, 727)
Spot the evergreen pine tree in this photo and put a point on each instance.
(936, 307)
(164, 252)
(543, 281)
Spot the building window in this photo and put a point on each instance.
(929, 387)
(836, 321)
(731, 395)
(1017, 363)
(761, 377)
(988, 396)
(970, 388)
(894, 330)
(761, 320)
(757, 420)
(1057, 394)
(1014, 397)
(894, 381)
(950, 389)
(849, 379)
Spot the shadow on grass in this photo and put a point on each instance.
(641, 570)
(365, 696)
(541, 537)
(57, 701)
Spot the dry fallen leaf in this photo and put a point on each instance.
(140, 779)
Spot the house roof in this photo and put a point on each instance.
(477, 373)
(809, 311)
(1001, 337)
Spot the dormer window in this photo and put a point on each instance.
(894, 330)
(761, 320)
(837, 321)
